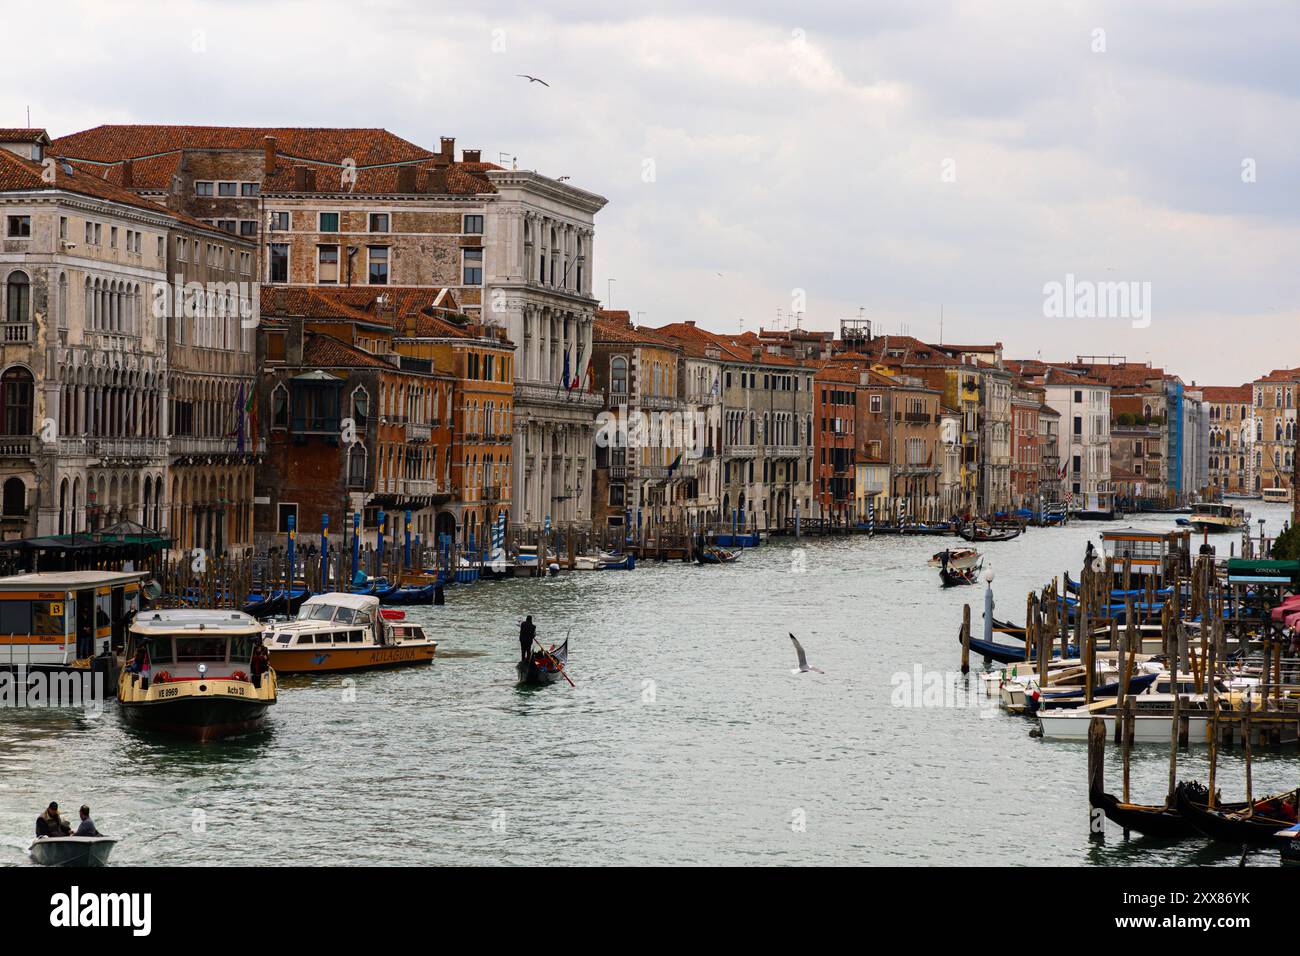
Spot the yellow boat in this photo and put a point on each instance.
(1217, 517)
(346, 632)
(200, 679)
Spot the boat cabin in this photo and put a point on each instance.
(59, 618)
(338, 620)
(189, 644)
(1148, 552)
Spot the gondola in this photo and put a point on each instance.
(626, 562)
(957, 577)
(418, 594)
(988, 534)
(541, 667)
(716, 556)
(993, 651)
(1232, 824)
(1162, 821)
(1137, 684)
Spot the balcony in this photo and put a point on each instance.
(130, 448)
(418, 431)
(188, 445)
(788, 451)
(659, 403)
(742, 451)
(17, 333)
(536, 393)
(18, 446)
(491, 493)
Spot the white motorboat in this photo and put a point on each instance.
(959, 559)
(72, 850)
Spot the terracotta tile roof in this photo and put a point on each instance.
(431, 309)
(156, 150)
(430, 179)
(1280, 375)
(325, 351)
(617, 327)
(23, 134)
(1239, 394)
(150, 173)
(18, 174)
(367, 147)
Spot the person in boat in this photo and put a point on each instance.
(527, 634)
(87, 826)
(50, 824)
(140, 665)
(260, 663)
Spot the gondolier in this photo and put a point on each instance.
(527, 634)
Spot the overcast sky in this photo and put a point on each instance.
(898, 157)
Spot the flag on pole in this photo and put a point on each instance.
(565, 379)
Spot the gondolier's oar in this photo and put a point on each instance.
(556, 660)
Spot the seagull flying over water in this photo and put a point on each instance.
(532, 79)
(804, 667)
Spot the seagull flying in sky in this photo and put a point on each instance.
(804, 667)
(532, 79)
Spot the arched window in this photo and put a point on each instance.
(18, 298)
(618, 375)
(15, 497)
(360, 406)
(280, 407)
(357, 465)
(16, 402)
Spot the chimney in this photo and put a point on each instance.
(691, 323)
(406, 179)
(471, 156)
(128, 174)
(448, 149)
(270, 146)
(304, 179)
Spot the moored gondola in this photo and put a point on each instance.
(544, 667)
(1254, 824)
(1161, 821)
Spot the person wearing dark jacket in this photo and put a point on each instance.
(50, 824)
(527, 634)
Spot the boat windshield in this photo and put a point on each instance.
(316, 612)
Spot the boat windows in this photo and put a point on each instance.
(15, 617)
(317, 612)
(284, 639)
(47, 617)
(200, 649)
(356, 637)
(346, 615)
(160, 651)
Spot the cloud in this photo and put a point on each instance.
(811, 147)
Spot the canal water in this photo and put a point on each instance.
(687, 738)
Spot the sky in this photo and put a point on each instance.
(991, 163)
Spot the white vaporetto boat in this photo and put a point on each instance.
(72, 850)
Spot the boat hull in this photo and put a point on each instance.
(1225, 825)
(198, 718)
(1147, 728)
(531, 672)
(326, 660)
(72, 851)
